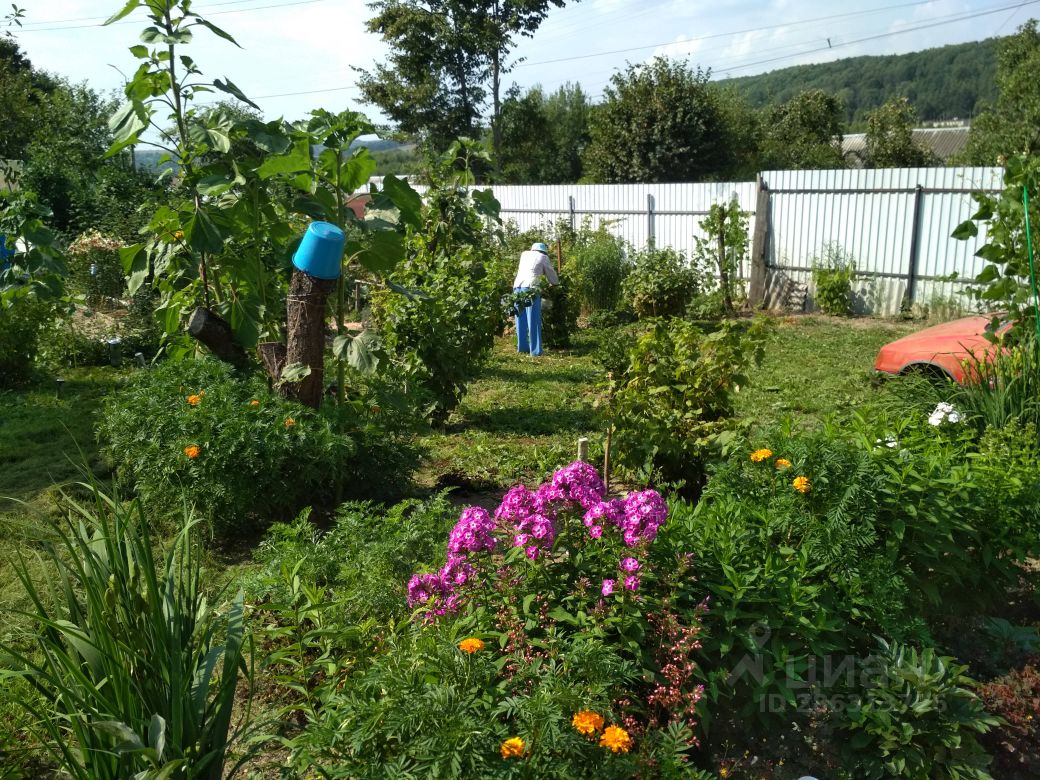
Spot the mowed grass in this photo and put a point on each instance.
(520, 420)
(523, 417)
(815, 367)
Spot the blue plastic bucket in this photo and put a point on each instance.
(320, 251)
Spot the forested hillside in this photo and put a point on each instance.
(951, 81)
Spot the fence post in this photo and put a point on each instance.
(570, 201)
(651, 238)
(759, 244)
(915, 230)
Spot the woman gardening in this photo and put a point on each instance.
(534, 265)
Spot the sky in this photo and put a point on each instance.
(297, 55)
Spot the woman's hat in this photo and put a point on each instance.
(540, 247)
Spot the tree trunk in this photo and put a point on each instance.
(305, 326)
(215, 332)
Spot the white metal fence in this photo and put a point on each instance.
(895, 224)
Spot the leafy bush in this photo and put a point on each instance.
(675, 401)
(545, 646)
(918, 718)
(195, 431)
(137, 669)
(614, 348)
(444, 327)
(20, 326)
(726, 227)
(1014, 743)
(596, 269)
(367, 554)
(832, 276)
(661, 283)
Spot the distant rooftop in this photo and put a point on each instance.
(944, 141)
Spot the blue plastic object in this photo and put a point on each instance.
(320, 251)
(4, 251)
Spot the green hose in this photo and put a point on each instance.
(1032, 269)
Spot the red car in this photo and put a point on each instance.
(941, 349)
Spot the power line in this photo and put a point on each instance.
(29, 25)
(883, 35)
(728, 34)
(137, 21)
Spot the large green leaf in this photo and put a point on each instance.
(126, 10)
(231, 89)
(356, 171)
(218, 32)
(405, 199)
(297, 159)
(202, 233)
(384, 250)
(126, 124)
(965, 230)
(135, 266)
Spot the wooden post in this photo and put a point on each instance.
(559, 255)
(305, 325)
(583, 448)
(757, 284)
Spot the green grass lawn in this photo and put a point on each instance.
(817, 366)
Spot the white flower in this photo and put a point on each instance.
(944, 412)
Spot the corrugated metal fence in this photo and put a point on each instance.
(894, 224)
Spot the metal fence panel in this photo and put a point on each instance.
(894, 224)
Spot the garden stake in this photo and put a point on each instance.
(583, 448)
(1032, 270)
(610, 429)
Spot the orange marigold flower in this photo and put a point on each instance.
(783, 463)
(587, 722)
(192, 451)
(471, 645)
(617, 739)
(193, 400)
(512, 747)
(760, 455)
(801, 484)
(289, 422)
(254, 402)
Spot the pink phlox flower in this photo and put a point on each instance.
(473, 532)
(629, 564)
(457, 571)
(645, 512)
(632, 582)
(596, 531)
(532, 552)
(579, 482)
(423, 587)
(547, 495)
(520, 540)
(516, 504)
(608, 587)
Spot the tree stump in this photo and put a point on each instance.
(215, 332)
(305, 325)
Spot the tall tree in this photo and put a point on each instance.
(803, 133)
(543, 136)
(890, 138)
(1012, 124)
(447, 57)
(660, 122)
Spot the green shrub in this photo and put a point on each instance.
(195, 431)
(442, 330)
(918, 717)
(596, 268)
(613, 350)
(832, 276)
(676, 400)
(367, 554)
(661, 283)
(559, 315)
(137, 668)
(20, 327)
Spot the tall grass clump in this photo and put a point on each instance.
(135, 667)
(597, 270)
(1001, 387)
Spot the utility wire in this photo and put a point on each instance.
(771, 27)
(138, 21)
